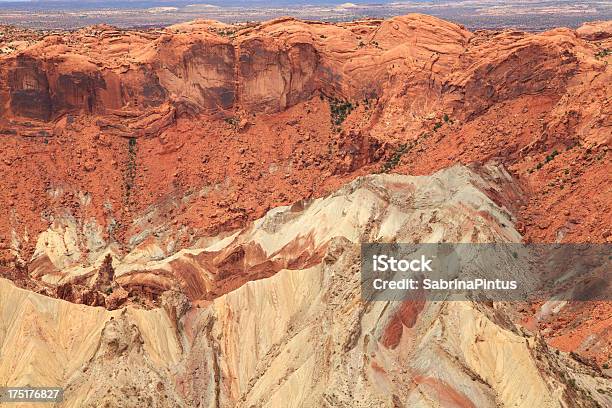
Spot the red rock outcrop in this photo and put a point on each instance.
(124, 136)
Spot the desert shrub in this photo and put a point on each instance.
(394, 159)
(340, 109)
(233, 121)
(551, 156)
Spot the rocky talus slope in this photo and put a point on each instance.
(181, 208)
(305, 336)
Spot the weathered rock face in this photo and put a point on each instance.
(304, 336)
(545, 67)
(203, 70)
(203, 73)
(29, 89)
(273, 79)
(280, 64)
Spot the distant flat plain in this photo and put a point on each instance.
(536, 15)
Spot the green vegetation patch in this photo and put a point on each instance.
(395, 158)
(232, 121)
(340, 109)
